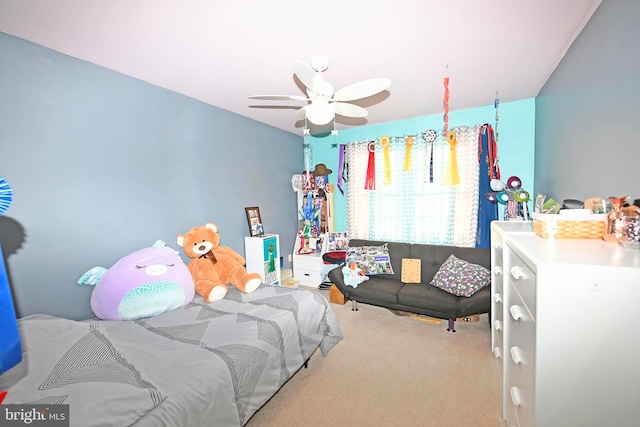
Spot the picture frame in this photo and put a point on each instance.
(338, 241)
(254, 220)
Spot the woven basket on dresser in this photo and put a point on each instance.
(590, 226)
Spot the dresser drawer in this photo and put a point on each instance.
(511, 418)
(497, 320)
(496, 248)
(519, 354)
(520, 402)
(523, 280)
(513, 413)
(498, 351)
(307, 277)
(497, 307)
(519, 322)
(308, 262)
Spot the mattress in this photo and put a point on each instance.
(213, 364)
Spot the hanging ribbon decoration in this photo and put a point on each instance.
(429, 137)
(445, 104)
(341, 168)
(494, 145)
(370, 181)
(451, 176)
(384, 143)
(494, 168)
(408, 143)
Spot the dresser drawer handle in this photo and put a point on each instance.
(498, 245)
(497, 352)
(497, 270)
(497, 297)
(515, 396)
(517, 312)
(516, 355)
(517, 273)
(497, 325)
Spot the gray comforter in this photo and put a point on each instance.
(203, 364)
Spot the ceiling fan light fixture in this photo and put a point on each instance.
(319, 114)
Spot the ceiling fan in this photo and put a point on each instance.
(324, 102)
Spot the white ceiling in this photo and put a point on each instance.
(220, 52)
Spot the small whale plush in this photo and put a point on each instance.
(145, 283)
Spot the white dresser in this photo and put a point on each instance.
(570, 337)
(498, 230)
(307, 268)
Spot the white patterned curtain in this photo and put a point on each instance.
(409, 208)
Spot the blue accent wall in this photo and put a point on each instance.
(515, 142)
(587, 142)
(102, 164)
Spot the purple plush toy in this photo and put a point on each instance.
(144, 283)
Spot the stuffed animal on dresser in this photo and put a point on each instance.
(213, 266)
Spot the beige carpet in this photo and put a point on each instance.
(393, 370)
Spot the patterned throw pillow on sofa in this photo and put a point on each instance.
(460, 277)
(371, 259)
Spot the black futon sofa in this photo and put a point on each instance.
(387, 290)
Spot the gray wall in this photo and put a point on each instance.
(586, 114)
(102, 165)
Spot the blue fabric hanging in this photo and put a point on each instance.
(487, 211)
(10, 348)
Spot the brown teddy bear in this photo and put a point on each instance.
(213, 266)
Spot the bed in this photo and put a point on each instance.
(202, 364)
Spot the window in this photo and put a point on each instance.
(410, 208)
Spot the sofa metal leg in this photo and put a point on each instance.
(451, 327)
(354, 305)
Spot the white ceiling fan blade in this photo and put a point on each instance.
(308, 76)
(301, 113)
(361, 89)
(319, 114)
(280, 97)
(348, 110)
